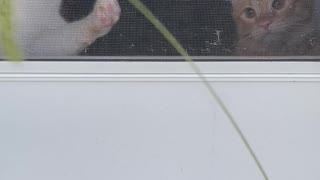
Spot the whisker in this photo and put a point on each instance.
(254, 33)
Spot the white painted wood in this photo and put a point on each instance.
(142, 121)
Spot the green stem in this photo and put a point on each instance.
(173, 41)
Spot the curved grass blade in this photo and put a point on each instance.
(7, 37)
(173, 41)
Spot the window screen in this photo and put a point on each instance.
(204, 28)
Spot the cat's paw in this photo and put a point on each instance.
(105, 14)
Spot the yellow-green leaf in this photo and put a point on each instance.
(7, 32)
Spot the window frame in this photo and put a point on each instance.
(215, 71)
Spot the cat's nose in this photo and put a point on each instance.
(265, 24)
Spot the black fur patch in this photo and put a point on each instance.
(73, 10)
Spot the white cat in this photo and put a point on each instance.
(41, 31)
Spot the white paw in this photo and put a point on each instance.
(105, 14)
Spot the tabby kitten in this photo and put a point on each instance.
(276, 27)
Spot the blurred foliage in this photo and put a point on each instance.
(7, 35)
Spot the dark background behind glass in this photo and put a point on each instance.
(204, 27)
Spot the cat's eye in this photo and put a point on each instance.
(278, 4)
(250, 13)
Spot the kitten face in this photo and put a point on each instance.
(266, 20)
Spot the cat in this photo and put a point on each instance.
(276, 27)
(41, 31)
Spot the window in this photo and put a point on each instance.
(156, 120)
(206, 29)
